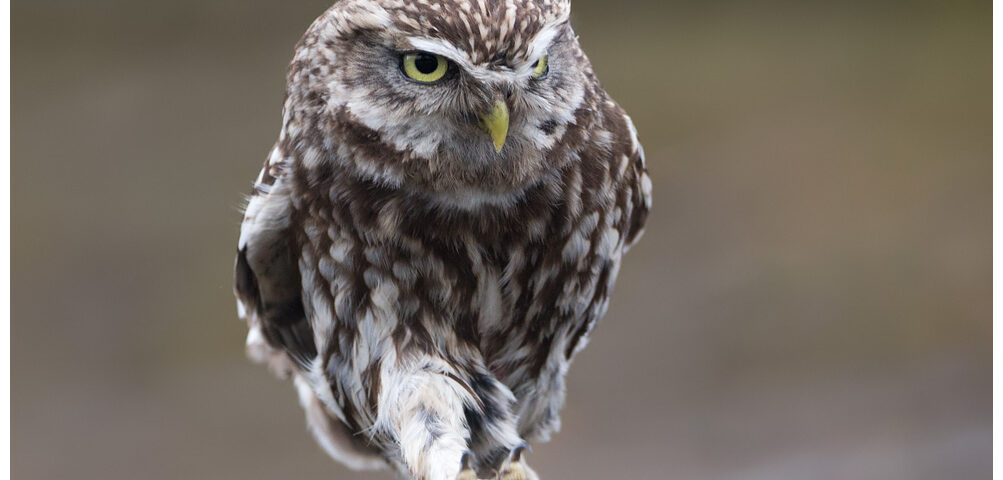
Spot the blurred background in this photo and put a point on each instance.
(811, 300)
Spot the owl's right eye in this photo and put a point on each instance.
(424, 67)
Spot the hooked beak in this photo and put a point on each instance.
(495, 123)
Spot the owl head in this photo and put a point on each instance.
(465, 98)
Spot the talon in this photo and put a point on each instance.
(515, 467)
(466, 470)
(518, 451)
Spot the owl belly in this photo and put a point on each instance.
(531, 324)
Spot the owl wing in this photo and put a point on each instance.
(267, 277)
(269, 298)
(639, 184)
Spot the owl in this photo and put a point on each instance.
(437, 230)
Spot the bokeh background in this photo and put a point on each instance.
(811, 300)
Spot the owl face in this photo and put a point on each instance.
(457, 93)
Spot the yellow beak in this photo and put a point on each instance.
(495, 123)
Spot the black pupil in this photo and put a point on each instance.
(425, 63)
(536, 65)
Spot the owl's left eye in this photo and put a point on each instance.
(541, 68)
(424, 67)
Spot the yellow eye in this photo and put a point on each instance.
(424, 67)
(541, 68)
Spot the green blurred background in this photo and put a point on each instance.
(811, 300)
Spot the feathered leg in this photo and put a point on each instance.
(448, 419)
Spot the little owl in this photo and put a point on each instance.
(437, 230)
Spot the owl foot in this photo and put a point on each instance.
(515, 467)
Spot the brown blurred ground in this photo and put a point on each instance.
(811, 301)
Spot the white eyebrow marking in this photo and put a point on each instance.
(541, 43)
(441, 47)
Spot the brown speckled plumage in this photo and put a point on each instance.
(426, 292)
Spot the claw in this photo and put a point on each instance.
(515, 467)
(466, 470)
(518, 451)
